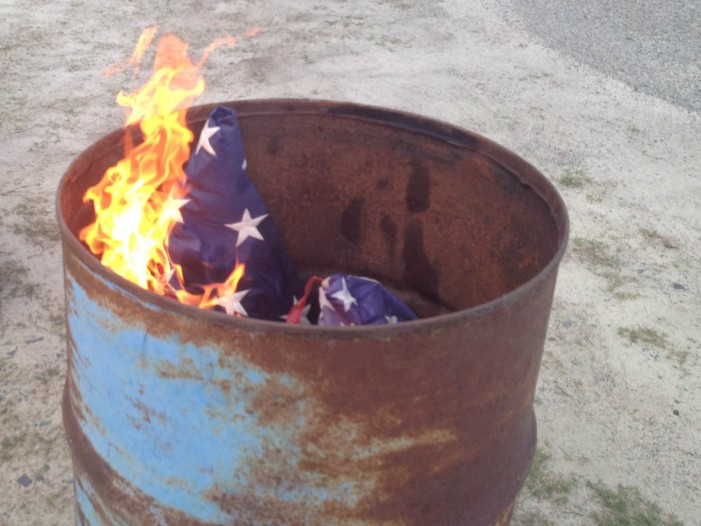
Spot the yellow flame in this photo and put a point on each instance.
(137, 201)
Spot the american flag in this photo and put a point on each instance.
(224, 222)
(346, 300)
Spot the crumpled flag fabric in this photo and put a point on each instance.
(225, 222)
(346, 300)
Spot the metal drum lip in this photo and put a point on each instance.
(415, 123)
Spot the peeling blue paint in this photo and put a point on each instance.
(175, 438)
(86, 498)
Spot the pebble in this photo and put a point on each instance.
(670, 242)
(679, 286)
(24, 480)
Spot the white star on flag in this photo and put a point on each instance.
(168, 275)
(171, 208)
(247, 227)
(345, 296)
(207, 133)
(323, 302)
(232, 303)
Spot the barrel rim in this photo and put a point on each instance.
(415, 123)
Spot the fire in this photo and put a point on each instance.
(137, 202)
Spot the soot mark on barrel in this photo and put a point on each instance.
(389, 232)
(350, 220)
(419, 273)
(418, 190)
(273, 145)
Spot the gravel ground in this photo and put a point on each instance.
(620, 384)
(653, 46)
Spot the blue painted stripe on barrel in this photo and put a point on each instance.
(177, 439)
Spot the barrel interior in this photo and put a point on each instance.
(445, 218)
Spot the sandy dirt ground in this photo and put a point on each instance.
(620, 386)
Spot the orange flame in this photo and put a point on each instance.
(137, 202)
(135, 61)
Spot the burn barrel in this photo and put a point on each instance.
(183, 416)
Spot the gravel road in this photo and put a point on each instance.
(653, 46)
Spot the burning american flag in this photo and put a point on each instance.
(192, 226)
(224, 221)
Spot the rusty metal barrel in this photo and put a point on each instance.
(177, 415)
